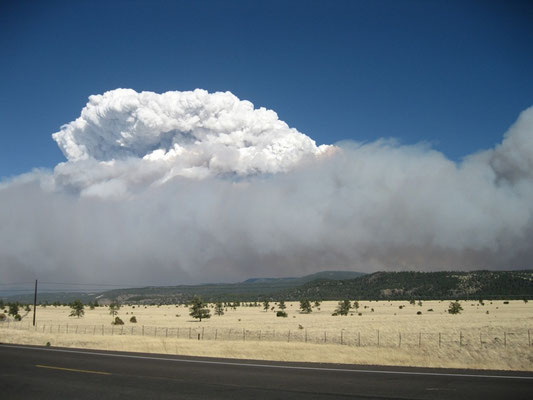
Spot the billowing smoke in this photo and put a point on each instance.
(186, 187)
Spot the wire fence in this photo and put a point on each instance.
(363, 338)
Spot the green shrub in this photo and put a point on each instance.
(281, 314)
(133, 320)
(18, 317)
(455, 307)
(117, 321)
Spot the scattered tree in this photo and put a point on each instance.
(77, 309)
(356, 305)
(266, 305)
(219, 309)
(113, 308)
(13, 309)
(317, 304)
(305, 306)
(3, 317)
(282, 305)
(343, 308)
(133, 320)
(455, 307)
(199, 309)
(18, 317)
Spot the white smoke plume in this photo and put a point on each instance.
(186, 187)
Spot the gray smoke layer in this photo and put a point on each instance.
(146, 198)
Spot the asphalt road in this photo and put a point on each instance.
(28, 372)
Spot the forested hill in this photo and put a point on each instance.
(331, 285)
(423, 285)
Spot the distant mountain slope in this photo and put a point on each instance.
(251, 289)
(333, 275)
(407, 285)
(327, 285)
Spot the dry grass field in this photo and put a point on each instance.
(490, 336)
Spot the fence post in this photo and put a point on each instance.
(528, 337)
(378, 337)
(460, 338)
(166, 332)
(67, 328)
(216, 334)
(76, 329)
(325, 337)
(399, 339)
(419, 339)
(243, 335)
(178, 333)
(480, 341)
(289, 336)
(143, 330)
(359, 339)
(259, 334)
(342, 337)
(439, 340)
(189, 333)
(94, 330)
(102, 329)
(505, 339)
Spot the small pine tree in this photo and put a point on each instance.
(356, 304)
(455, 307)
(219, 309)
(199, 309)
(266, 305)
(305, 306)
(343, 308)
(13, 309)
(77, 309)
(317, 304)
(113, 309)
(282, 305)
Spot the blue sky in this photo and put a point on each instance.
(455, 74)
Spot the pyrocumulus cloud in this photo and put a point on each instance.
(185, 187)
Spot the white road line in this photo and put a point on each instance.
(364, 371)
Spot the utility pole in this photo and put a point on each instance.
(34, 302)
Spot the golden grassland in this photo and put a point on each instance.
(383, 334)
